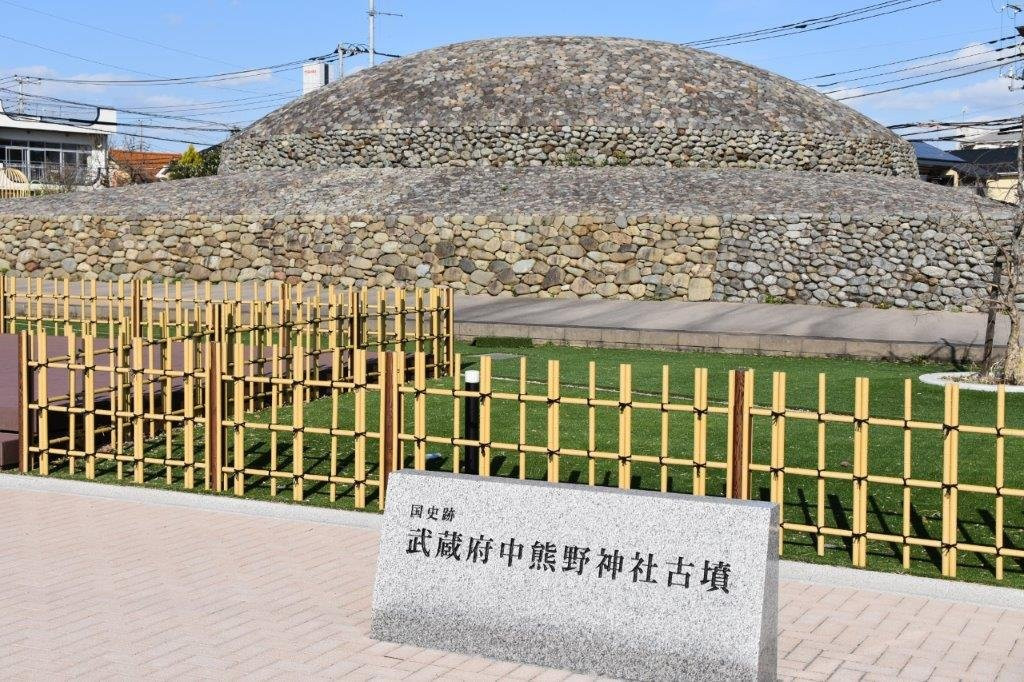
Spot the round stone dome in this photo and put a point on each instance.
(568, 101)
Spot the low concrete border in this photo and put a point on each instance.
(725, 342)
(943, 378)
(818, 574)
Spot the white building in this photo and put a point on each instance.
(63, 149)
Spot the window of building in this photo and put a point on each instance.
(47, 162)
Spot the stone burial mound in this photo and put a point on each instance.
(554, 166)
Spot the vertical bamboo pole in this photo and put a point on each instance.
(188, 388)
(450, 326)
(591, 422)
(625, 425)
(89, 400)
(554, 401)
(950, 460)
(238, 417)
(664, 434)
(457, 450)
(43, 401)
(420, 412)
(1000, 478)
(26, 380)
(700, 427)
(521, 407)
(388, 448)
(778, 487)
(298, 422)
(860, 445)
(138, 411)
(486, 377)
(820, 499)
(908, 442)
(213, 445)
(360, 429)
(275, 404)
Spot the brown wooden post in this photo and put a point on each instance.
(740, 483)
(214, 417)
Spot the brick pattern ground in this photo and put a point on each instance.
(111, 589)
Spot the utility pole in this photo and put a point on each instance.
(373, 14)
(373, 23)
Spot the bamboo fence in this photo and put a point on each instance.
(302, 428)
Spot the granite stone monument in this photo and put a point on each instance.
(625, 583)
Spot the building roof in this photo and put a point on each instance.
(570, 81)
(995, 160)
(146, 164)
(516, 191)
(931, 156)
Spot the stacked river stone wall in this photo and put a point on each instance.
(426, 146)
(909, 260)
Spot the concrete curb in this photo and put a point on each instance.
(795, 571)
(725, 342)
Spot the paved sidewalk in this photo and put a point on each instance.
(807, 330)
(110, 582)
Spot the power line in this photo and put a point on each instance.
(925, 82)
(815, 24)
(904, 61)
(184, 80)
(994, 63)
(918, 67)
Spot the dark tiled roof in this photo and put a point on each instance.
(994, 160)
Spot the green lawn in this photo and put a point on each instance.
(977, 453)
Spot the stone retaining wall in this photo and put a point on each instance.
(910, 261)
(426, 146)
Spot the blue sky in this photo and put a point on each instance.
(210, 36)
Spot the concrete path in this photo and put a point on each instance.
(801, 330)
(104, 582)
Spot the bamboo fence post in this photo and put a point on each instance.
(486, 377)
(460, 453)
(43, 402)
(625, 426)
(450, 327)
(298, 422)
(213, 445)
(663, 439)
(908, 393)
(822, 409)
(860, 447)
(1000, 478)
(420, 412)
(700, 429)
(778, 491)
(359, 427)
(138, 411)
(591, 422)
(89, 379)
(238, 417)
(136, 309)
(388, 448)
(554, 397)
(950, 479)
(26, 379)
(3, 304)
(521, 409)
(189, 411)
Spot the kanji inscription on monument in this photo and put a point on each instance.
(614, 582)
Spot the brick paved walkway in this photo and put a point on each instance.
(103, 588)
